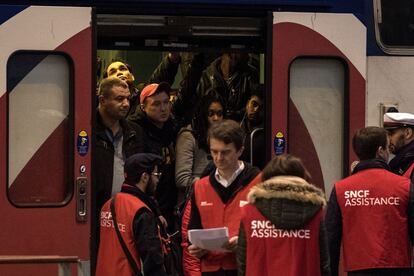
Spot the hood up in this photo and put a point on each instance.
(289, 202)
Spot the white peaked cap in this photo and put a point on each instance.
(397, 119)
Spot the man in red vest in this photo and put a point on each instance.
(217, 199)
(400, 127)
(371, 212)
(137, 220)
(282, 232)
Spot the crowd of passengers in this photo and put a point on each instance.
(167, 162)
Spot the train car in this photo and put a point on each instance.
(328, 67)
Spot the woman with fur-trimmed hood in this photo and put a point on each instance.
(282, 230)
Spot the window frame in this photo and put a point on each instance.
(69, 182)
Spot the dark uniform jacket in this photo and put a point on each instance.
(403, 160)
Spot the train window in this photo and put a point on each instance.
(39, 128)
(395, 25)
(316, 116)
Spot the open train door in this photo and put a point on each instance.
(45, 121)
(318, 90)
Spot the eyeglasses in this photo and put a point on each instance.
(157, 174)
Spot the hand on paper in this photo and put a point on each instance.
(231, 244)
(196, 251)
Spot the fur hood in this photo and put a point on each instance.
(288, 202)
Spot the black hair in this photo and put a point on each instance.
(367, 141)
(285, 164)
(200, 122)
(227, 131)
(105, 74)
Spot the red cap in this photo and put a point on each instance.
(152, 88)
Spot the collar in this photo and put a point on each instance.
(148, 200)
(225, 183)
(403, 159)
(371, 164)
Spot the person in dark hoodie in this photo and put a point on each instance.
(216, 201)
(159, 138)
(253, 126)
(371, 213)
(282, 230)
(136, 216)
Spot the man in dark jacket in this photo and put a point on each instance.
(217, 199)
(371, 213)
(159, 138)
(136, 217)
(115, 138)
(253, 127)
(232, 78)
(400, 127)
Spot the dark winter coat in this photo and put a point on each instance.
(103, 155)
(235, 92)
(161, 141)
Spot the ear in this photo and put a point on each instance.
(239, 153)
(142, 106)
(382, 153)
(101, 99)
(145, 177)
(408, 133)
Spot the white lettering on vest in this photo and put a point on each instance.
(265, 229)
(361, 198)
(106, 221)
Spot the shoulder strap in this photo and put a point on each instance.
(131, 261)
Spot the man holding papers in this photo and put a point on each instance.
(217, 199)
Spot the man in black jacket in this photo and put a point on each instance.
(231, 78)
(115, 138)
(159, 138)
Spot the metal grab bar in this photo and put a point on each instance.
(251, 142)
(63, 262)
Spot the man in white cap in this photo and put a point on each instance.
(400, 127)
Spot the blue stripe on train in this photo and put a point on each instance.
(7, 12)
(20, 64)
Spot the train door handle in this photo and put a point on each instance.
(81, 199)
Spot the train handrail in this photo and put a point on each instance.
(63, 262)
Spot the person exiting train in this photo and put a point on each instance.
(282, 232)
(400, 127)
(217, 199)
(136, 217)
(371, 213)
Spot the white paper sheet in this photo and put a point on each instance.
(211, 239)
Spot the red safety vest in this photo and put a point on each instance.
(407, 173)
(111, 257)
(373, 204)
(214, 213)
(277, 252)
